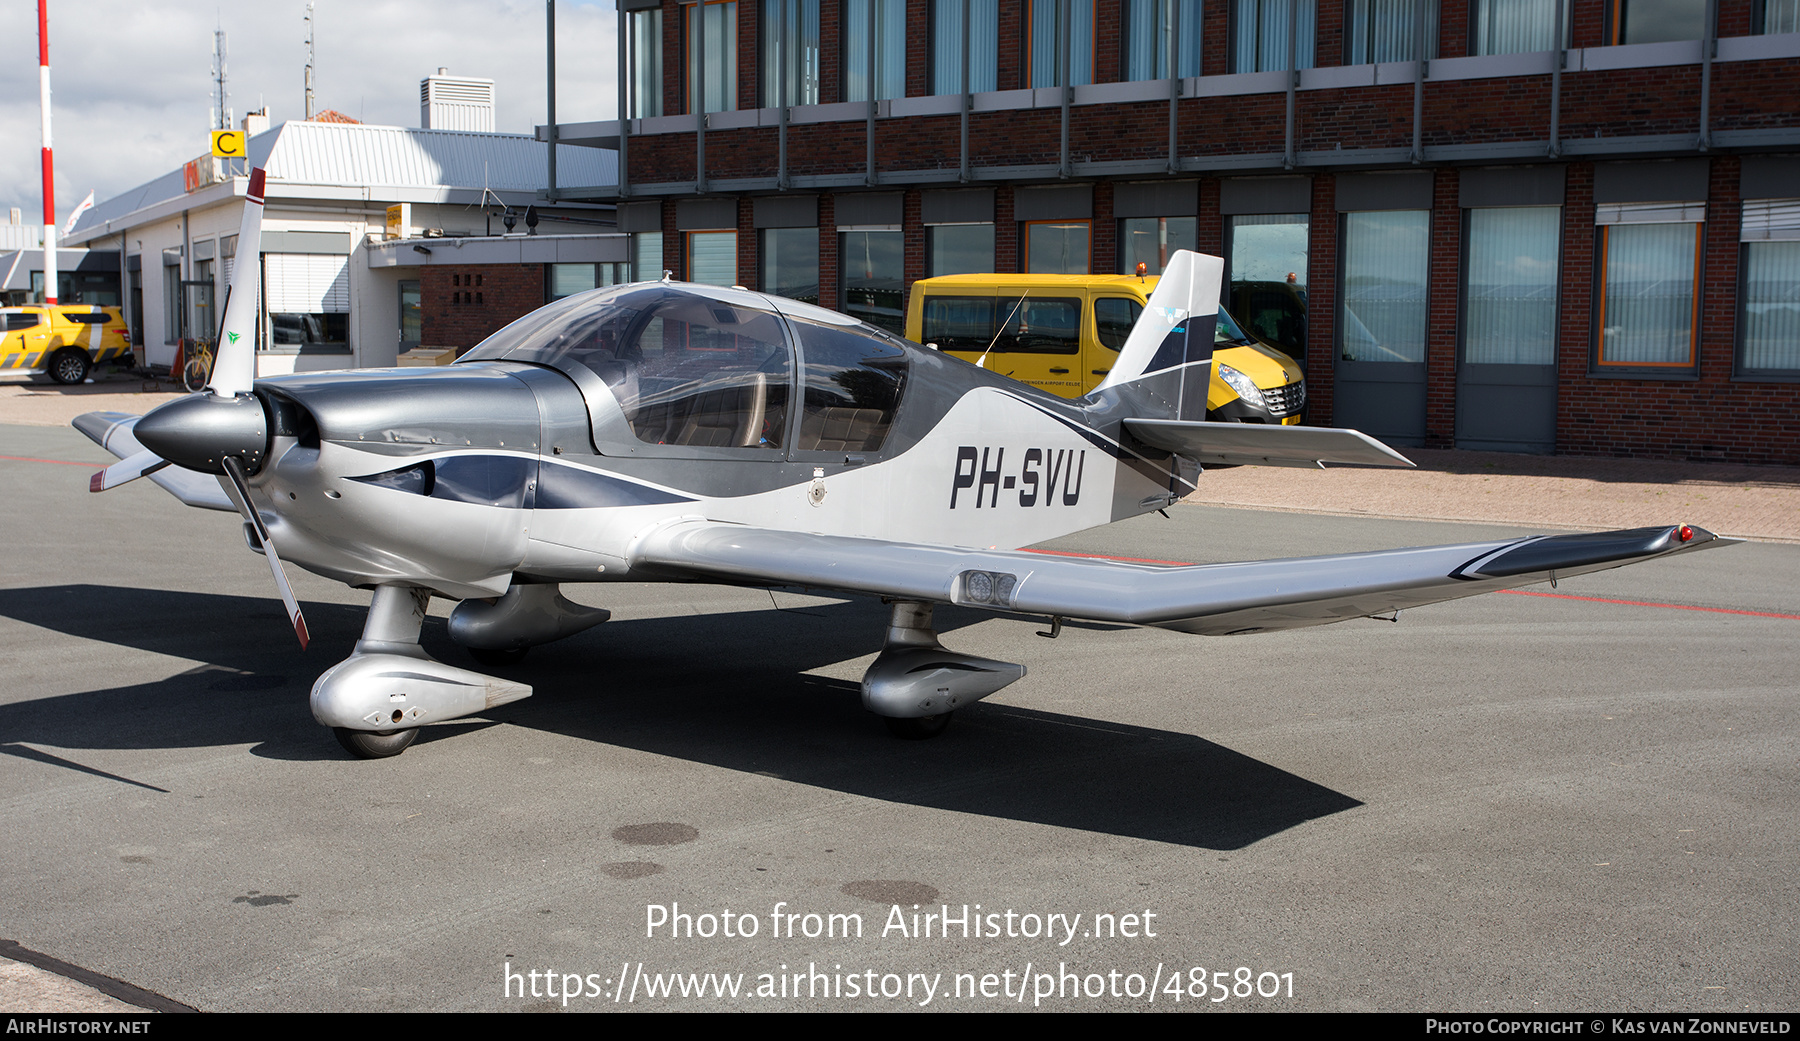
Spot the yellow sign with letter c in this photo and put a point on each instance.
(228, 144)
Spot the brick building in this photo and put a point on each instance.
(1581, 245)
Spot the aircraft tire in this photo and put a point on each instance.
(495, 659)
(364, 745)
(69, 366)
(918, 728)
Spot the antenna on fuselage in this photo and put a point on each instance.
(981, 362)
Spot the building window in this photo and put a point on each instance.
(1648, 306)
(1509, 285)
(1147, 27)
(873, 274)
(874, 49)
(1047, 37)
(790, 52)
(645, 78)
(712, 257)
(790, 263)
(1268, 253)
(1771, 308)
(568, 279)
(959, 249)
(308, 300)
(647, 256)
(1057, 247)
(1519, 26)
(1150, 241)
(1769, 300)
(1383, 317)
(1655, 21)
(171, 302)
(711, 31)
(1778, 16)
(1260, 33)
(970, 24)
(1386, 30)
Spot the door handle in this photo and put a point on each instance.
(1101, 372)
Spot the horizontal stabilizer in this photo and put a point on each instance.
(113, 432)
(1259, 444)
(1210, 599)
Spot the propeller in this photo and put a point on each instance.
(224, 429)
(130, 468)
(240, 494)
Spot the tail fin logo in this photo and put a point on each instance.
(233, 337)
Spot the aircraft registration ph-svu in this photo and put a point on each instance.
(672, 432)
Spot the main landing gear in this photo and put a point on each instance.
(915, 684)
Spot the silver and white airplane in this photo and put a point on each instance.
(670, 432)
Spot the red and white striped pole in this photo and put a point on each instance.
(49, 164)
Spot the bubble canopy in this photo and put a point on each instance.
(706, 367)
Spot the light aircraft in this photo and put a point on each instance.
(671, 432)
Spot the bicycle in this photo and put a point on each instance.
(196, 371)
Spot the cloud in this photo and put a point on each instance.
(133, 91)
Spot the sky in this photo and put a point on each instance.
(132, 89)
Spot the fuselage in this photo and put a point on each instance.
(550, 466)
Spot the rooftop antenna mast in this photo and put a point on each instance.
(222, 108)
(309, 61)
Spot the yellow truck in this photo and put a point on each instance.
(1062, 333)
(65, 341)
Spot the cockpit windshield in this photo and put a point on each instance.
(687, 368)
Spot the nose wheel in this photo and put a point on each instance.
(366, 745)
(918, 728)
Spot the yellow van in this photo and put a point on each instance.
(66, 341)
(1062, 333)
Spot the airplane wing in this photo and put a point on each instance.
(112, 431)
(1256, 444)
(1209, 599)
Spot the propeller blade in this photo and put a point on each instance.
(130, 468)
(240, 490)
(234, 356)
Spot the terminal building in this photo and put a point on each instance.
(376, 240)
(1523, 225)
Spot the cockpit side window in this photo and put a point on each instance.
(702, 372)
(686, 368)
(854, 383)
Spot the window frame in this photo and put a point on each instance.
(1739, 370)
(1618, 17)
(1027, 39)
(1433, 16)
(687, 255)
(1463, 324)
(1234, 24)
(873, 78)
(1130, 30)
(938, 77)
(1476, 11)
(777, 62)
(1025, 245)
(691, 47)
(1642, 368)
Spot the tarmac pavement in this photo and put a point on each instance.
(1516, 802)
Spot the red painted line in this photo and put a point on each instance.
(1647, 603)
(58, 462)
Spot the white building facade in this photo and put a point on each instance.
(329, 190)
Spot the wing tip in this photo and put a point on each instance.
(97, 481)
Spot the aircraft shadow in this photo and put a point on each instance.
(727, 690)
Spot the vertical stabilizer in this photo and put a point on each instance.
(234, 356)
(1165, 368)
